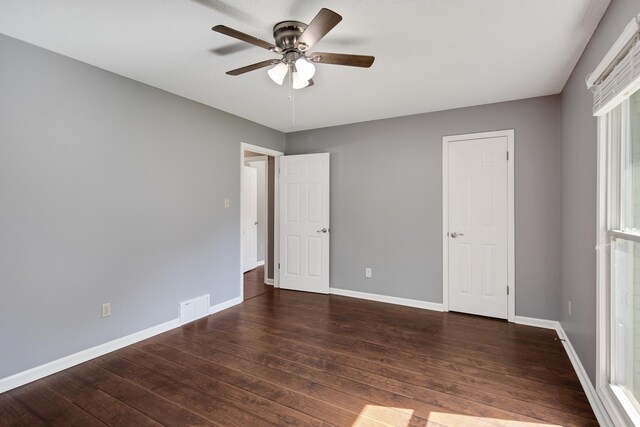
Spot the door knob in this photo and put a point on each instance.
(324, 230)
(454, 234)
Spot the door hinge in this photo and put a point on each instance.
(507, 290)
(278, 266)
(507, 155)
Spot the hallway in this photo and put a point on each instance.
(254, 283)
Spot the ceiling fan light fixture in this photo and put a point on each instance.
(306, 69)
(298, 82)
(279, 72)
(292, 40)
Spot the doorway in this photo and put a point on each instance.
(253, 215)
(478, 224)
(258, 227)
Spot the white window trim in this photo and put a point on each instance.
(618, 406)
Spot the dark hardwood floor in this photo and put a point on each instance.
(291, 358)
(254, 283)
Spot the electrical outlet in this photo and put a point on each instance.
(226, 203)
(106, 309)
(367, 272)
(569, 308)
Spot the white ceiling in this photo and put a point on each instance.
(430, 54)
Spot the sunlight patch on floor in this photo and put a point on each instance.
(456, 420)
(373, 415)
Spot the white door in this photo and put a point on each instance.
(304, 222)
(478, 226)
(250, 220)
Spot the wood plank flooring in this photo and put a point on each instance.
(254, 283)
(291, 358)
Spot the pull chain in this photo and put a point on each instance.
(292, 100)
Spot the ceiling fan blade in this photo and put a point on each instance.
(323, 22)
(252, 67)
(223, 29)
(342, 59)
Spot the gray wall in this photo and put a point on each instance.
(386, 193)
(578, 180)
(110, 191)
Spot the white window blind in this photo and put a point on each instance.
(618, 74)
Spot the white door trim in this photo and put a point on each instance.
(511, 282)
(255, 159)
(265, 159)
(250, 227)
(276, 255)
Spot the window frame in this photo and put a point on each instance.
(613, 136)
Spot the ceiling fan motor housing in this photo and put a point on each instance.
(286, 34)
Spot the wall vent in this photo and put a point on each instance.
(193, 309)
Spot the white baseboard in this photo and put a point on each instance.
(538, 323)
(63, 363)
(594, 400)
(587, 386)
(269, 282)
(224, 305)
(391, 300)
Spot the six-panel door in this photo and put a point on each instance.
(478, 226)
(304, 222)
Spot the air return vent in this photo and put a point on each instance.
(193, 309)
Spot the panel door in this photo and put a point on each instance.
(304, 222)
(478, 226)
(250, 220)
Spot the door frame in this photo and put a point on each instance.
(253, 266)
(276, 228)
(264, 159)
(511, 281)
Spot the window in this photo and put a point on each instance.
(620, 374)
(615, 83)
(619, 255)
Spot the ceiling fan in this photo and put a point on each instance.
(293, 39)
